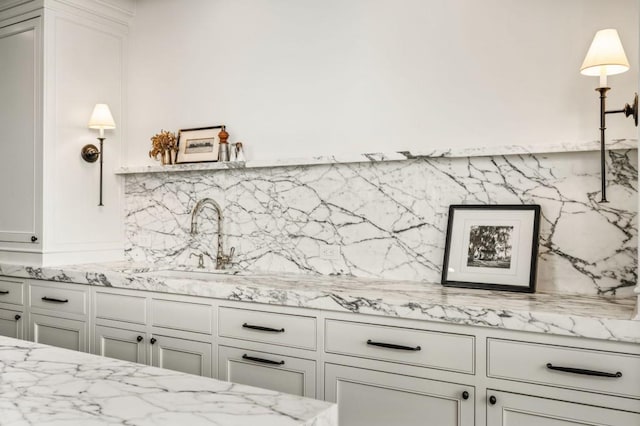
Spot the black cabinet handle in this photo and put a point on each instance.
(262, 360)
(34, 238)
(392, 346)
(583, 371)
(139, 339)
(4, 291)
(53, 299)
(465, 395)
(17, 317)
(153, 341)
(493, 400)
(261, 328)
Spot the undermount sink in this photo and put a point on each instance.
(194, 275)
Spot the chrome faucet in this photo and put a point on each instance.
(221, 259)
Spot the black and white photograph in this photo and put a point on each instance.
(198, 145)
(490, 246)
(493, 247)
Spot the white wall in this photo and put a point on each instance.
(302, 77)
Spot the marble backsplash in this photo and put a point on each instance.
(389, 219)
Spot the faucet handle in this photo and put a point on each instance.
(231, 252)
(200, 259)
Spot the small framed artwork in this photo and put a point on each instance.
(493, 247)
(198, 145)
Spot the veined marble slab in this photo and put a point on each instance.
(376, 157)
(568, 315)
(43, 385)
(388, 220)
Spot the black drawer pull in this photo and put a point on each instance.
(493, 400)
(262, 360)
(583, 371)
(17, 317)
(53, 299)
(139, 339)
(4, 291)
(392, 346)
(465, 395)
(153, 341)
(261, 328)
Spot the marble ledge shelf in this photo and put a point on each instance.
(618, 144)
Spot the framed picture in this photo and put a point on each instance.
(198, 145)
(492, 247)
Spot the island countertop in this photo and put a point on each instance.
(46, 385)
(562, 314)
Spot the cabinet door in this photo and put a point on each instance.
(121, 344)
(267, 370)
(187, 356)
(374, 398)
(11, 324)
(521, 410)
(19, 121)
(60, 332)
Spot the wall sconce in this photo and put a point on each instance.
(606, 57)
(101, 119)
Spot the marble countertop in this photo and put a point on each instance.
(46, 385)
(561, 314)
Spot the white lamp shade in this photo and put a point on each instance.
(606, 55)
(101, 118)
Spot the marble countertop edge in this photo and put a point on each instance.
(376, 157)
(562, 314)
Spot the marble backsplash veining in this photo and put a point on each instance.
(389, 219)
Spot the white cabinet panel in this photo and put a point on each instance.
(19, 47)
(127, 345)
(267, 370)
(522, 410)
(11, 291)
(11, 324)
(374, 398)
(70, 300)
(60, 332)
(187, 356)
(180, 315)
(120, 307)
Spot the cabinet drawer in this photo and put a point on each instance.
(121, 307)
(11, 291)
(527, 362)
(179, 315)
(444, 351)
(73, 301)
(268, 327)
(296, 376)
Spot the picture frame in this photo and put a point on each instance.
(492, 247)
(198, 145)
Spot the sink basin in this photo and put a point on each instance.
(193, 275)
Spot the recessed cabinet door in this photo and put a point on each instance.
(19, 118)
(508, 409)
(268, 371)
(187, 356)
(11, 324)
(374, 398)
(60, 332)
(121, 344)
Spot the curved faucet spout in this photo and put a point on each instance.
(221, 258)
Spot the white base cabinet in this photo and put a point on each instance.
(267, 370)
(61, 332)
(11, 324)
(118, 343)
(374, 398)
(508, 409)
(184, 355)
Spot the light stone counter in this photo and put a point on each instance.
(46, 385)
(584, 316)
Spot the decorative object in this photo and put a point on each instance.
(239, 152)
(198, 145)
(102, 120)
(164, 144)
(223, 150)
(606, 57)
(492, 247)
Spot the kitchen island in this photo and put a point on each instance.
(45, 385)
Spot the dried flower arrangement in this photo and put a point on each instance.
(164, 144)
